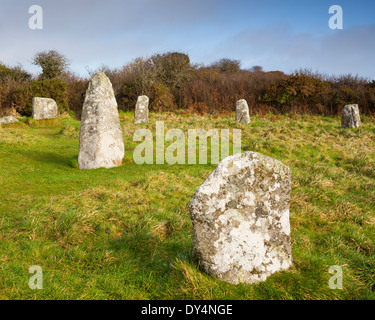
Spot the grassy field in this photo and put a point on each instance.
(125, 233)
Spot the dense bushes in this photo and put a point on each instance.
(17, 88)
(213, 91)
(11, 79)
(172, 82)
(76, 89)
(21, 95)
(299, 93)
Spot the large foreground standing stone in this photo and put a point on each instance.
(44, 108)
(100, 141)
(350, 116)
(242, 111)
(141, 110)
(240, 216)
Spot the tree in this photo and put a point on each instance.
(227, 66)
(172, 68)
(256, 69)
(52, 63)
(142, 75)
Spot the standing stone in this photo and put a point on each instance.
(350, 116)
(44, 108)
(242, 111)
(141, 110)
(8, 119)
(100, 141)
(240, 216)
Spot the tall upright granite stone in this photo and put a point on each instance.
(100, 140)
(44, 108)
(242, 111)
(350, 116)
(240, 216)
(141, 110)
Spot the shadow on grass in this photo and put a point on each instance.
(155, 256)
(47, 157)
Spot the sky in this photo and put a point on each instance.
(283, 35)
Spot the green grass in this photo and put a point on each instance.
(125, 233)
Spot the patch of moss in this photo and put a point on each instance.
(74, 162)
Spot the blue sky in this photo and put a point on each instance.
(277, 34)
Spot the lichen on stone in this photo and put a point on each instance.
(44, 108)
(242, 111)
(350, 116)
(240, 216)
(101, 140)
(141, 110)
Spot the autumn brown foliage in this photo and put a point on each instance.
(172, 82)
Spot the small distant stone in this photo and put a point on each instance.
(141, 110)
(44, 108)
(240, 216)
(242, 111)
(350, 116)
(8, 119)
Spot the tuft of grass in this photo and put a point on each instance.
(70, 131)
(74, 162)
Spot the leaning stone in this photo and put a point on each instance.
(101, 140)
(242, 111)
(44, 108)
(8, 119)
(141, 110)
(240, 216)
(350, 116)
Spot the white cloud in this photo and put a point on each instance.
(112, 32)
(279, 48)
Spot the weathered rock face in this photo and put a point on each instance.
(141, 110)
(8, 119)
(350, 116)
(242, 111)
(240, 216)
(100, 141)
(44, 108)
